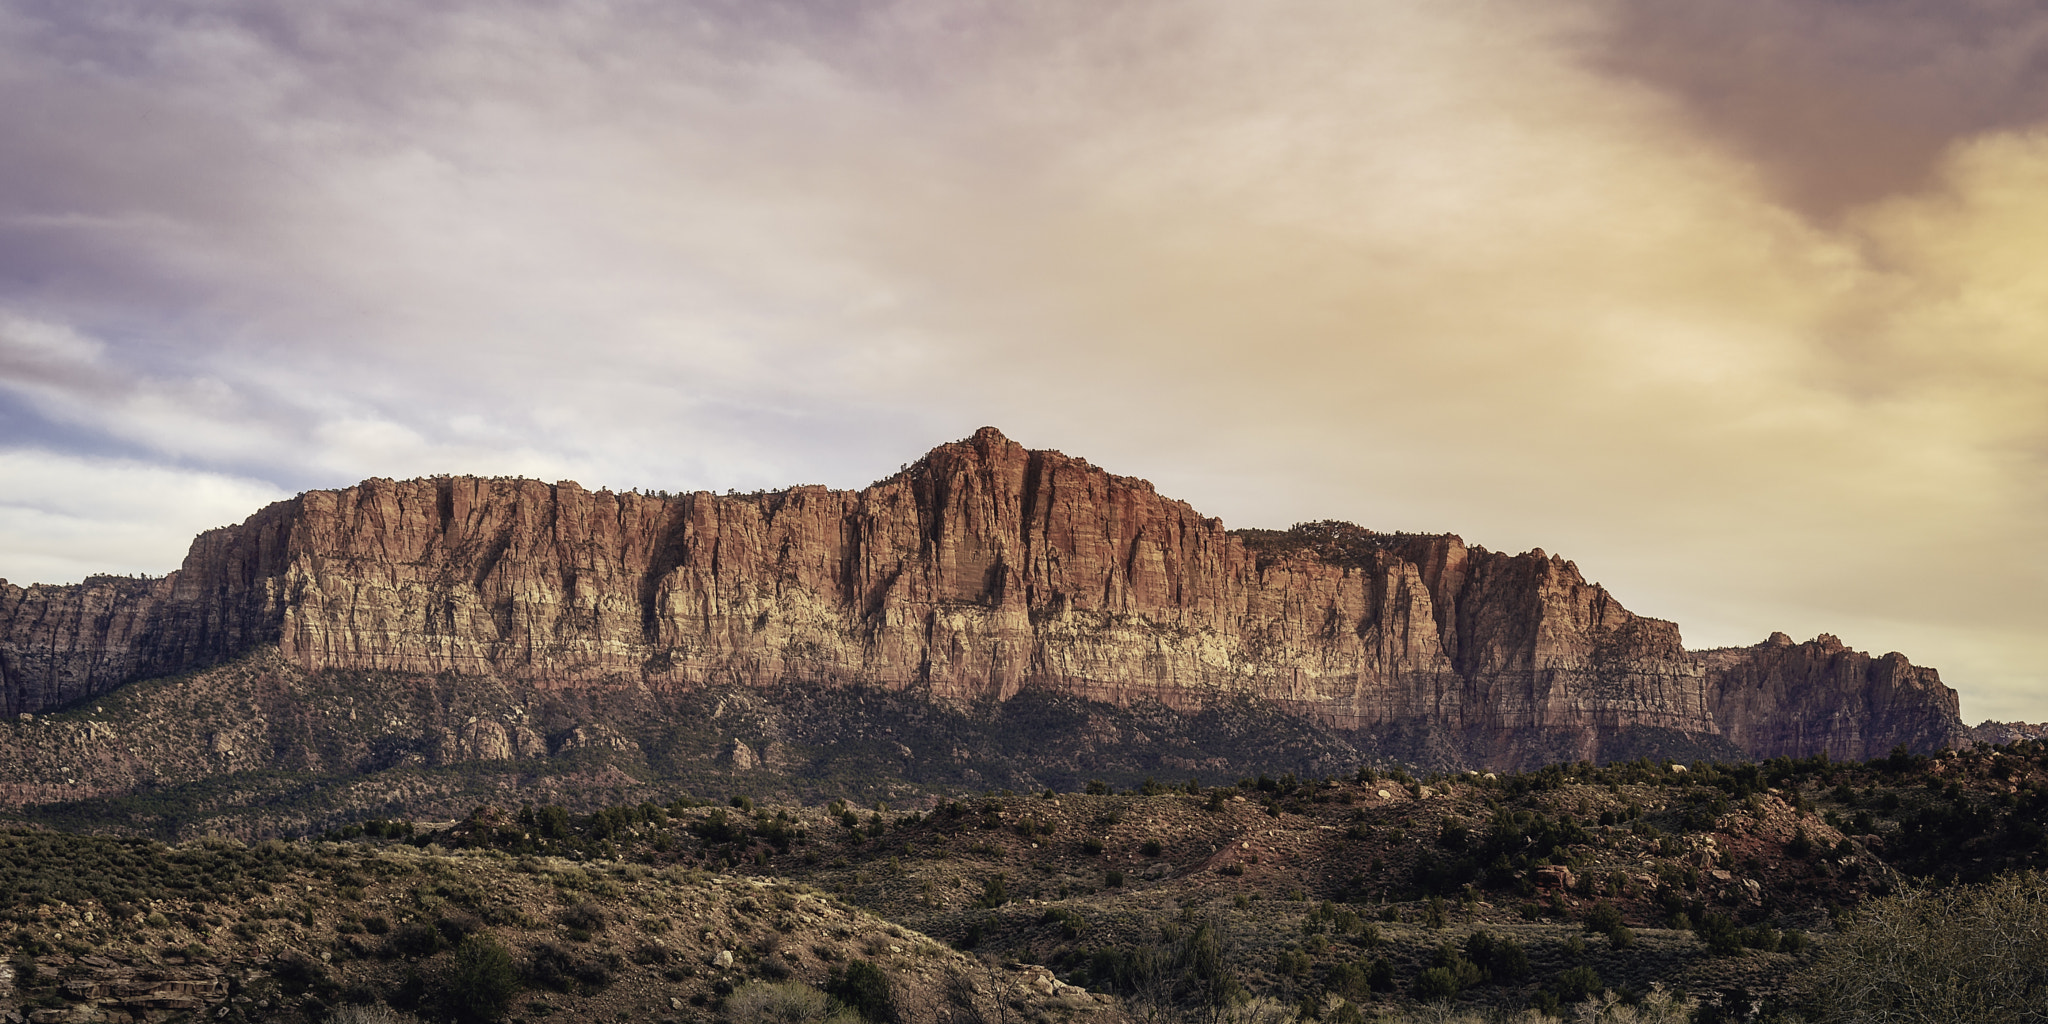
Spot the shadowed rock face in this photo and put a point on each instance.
(1784, 699)
(982, 569)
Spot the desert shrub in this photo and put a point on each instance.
(1602, 919)
(413, 939)
(457, 925)
(1259, 1010)
(1292, 962)
(480, 980)
(1452, 974)
(298, 973)
(374, 1013)
(1576, 984)
(550, 965)
(1071, 923)
(1433, 913)
(1658, 1006)
(1434, 984)
(1801, 845)
(994, 892)
(587, 917)
(1974, 953)
(1379, 976)
(864, 989)
(777, 1002)
(1502, 959)
(1347, 980)
(1720, 934)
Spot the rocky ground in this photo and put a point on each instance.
(1333, 898)
(299, 931)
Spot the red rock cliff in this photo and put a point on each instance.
(981, 569)
(1781, 699)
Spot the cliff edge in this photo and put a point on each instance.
(981, 570)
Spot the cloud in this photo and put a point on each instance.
(1841, 102)
(1537, 273)
(63, 518)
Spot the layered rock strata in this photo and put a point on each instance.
(1785, 699)
(980, 570)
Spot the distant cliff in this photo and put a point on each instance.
(982, 569)
(1782, 699)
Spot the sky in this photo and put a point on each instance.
(1739, 306)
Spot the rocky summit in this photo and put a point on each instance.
(982, 573)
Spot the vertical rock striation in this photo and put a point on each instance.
(1785, 699)
(982, 569)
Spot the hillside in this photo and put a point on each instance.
(1332, 898)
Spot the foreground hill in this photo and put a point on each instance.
(1273, 899)
(982, 572)
(283, 932)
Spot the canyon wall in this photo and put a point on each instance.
(1785, 699)
(980, 570)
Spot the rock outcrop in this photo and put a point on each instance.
(1993, 734)
(980, 570)
(1785, 699)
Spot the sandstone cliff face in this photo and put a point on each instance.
(982, 569)
(1782, 699)
(60, 644)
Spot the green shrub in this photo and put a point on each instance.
(1348, 980)
(1071, 923)
(1452, 974)
(994, 892)
(480, 980)
(1720, 934)
(1801, 845)
(414, 939)
(1434, 984)
(864, 989)
(586, 916)
(1602, 918)
(1380, 976)
(1502, 959)
(1293, 963)
(1577, 983)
